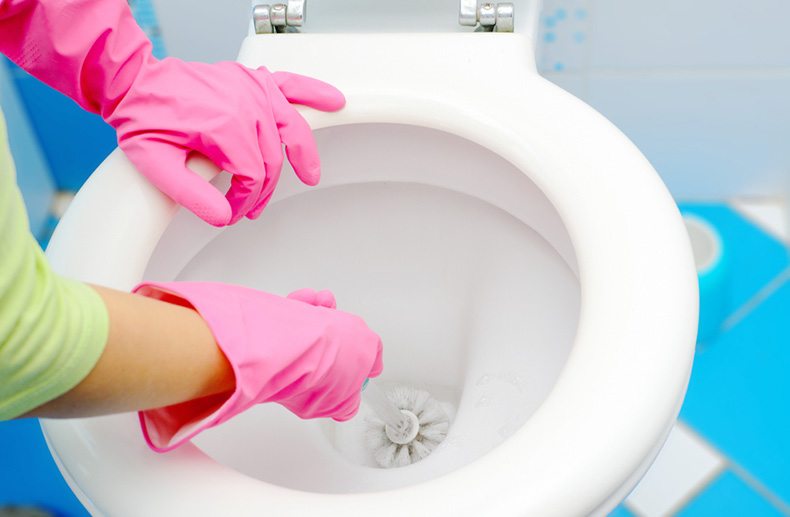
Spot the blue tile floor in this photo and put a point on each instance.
(28, 474)
(738, 400)
(729, 495)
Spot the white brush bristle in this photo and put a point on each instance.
(434, 424)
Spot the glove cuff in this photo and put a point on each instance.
(166, 428)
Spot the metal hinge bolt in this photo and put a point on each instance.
(487, 16)
(281, 17)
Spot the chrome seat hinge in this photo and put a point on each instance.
(486, 16)
(280, 17)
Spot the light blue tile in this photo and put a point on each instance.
(708, 135)
(621, 511)
(74, 141)
(145, 15)
(575, 84)
(729, 496)
(678, 33)
(738, 394)
(33, 173)
(563, 36)
(215, 31)
(739, 381)
(754, 257)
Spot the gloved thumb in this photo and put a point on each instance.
(322, 298)
(310, 92)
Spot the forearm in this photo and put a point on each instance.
(157, 354)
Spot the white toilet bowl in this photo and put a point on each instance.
(518, 255)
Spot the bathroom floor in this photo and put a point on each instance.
(729, 453)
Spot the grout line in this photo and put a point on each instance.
(691, 491)
(758, 487)
(708, 480)
(665, 72)
(777, 228)
(729, 464)
(704, 484)
(764, 293)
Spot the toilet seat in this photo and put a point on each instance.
(622, 385)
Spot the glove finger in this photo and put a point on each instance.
(305, 295)
(325, 298)
(300, 145)
(255, 212)
(253, 182)
(351, 406)
(164, 165)
(272, 153)
(241, 197)
(310, 92)
(378, 362)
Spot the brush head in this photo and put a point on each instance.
(429, 414)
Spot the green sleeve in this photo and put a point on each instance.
(52, 329)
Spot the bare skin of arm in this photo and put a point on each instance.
(157, 354)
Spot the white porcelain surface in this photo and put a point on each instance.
(474, 305)
(533, 217)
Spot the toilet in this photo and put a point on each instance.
(520, 258)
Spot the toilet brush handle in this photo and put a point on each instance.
(378, 401)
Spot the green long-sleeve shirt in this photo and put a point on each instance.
(52, 329)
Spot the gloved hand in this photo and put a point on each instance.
(321, 298)
(299, 352)
(94, 52)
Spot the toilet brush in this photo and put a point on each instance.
(408, 424)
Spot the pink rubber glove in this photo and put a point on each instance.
(319, 299)
(299, 352)
(94, 52)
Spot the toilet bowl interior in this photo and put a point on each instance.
(448, 251)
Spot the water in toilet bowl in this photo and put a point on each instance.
(473, 306)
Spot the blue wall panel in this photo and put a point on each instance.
(74, 141)
(33, 174)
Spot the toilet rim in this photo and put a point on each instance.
(623, 356)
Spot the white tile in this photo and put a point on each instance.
(769, 214)
(563, 38)
(684, 466)
(575, 84)
(679, 33)
(709, 135)
(203, 30)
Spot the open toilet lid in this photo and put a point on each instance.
(629, 366)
